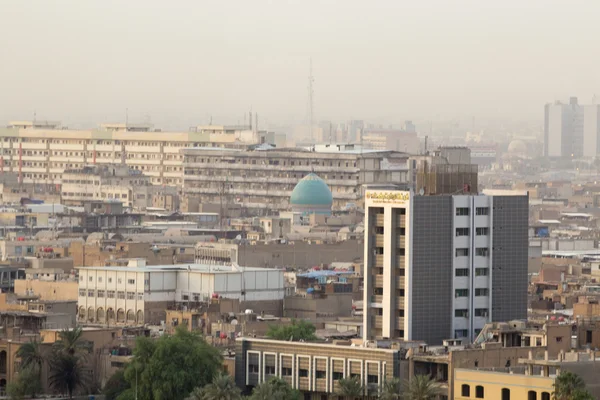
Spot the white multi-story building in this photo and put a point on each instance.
(571, 130)
(41, 152)
(139, 293)
(440, 267)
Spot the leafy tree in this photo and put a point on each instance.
(297, 330)
(28, 384)
(115, 385)
(569, 386)
(275, 389)
(172, 366)
(350, 388)
(66, 373)
(31, 355)
(222, 387)
(421, 387)
(391, 390)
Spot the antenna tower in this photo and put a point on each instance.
(311, 80)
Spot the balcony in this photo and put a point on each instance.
(399, 323)
(400, 282)
(379, 260)
(400, 302)
(400, 261)
(377, 298)
(377, 322)
(378, 240)
(379, 220)
(401, 242)
(378, 280)
(401, 221)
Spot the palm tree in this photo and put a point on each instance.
(421, 387)
(275, 389)
(222, 387)
(69, 341)
(569, 386)
(391, 390)
(350, 387)
(66, 373)
(31, 355)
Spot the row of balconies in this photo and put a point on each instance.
(259, 179)
(297, 168)
(377, 322)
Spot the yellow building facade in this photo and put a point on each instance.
(492, 385)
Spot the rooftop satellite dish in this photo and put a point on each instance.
(238, 237)
(234, 322)
(421, 192)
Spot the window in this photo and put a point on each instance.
(505, 394)
(460, 333)
(461, 293)
(131, 281)
(462, 252)
(121, 295)
(320, 374)
(303, 373)
(465, 390)
(100, 279)
(90, 293)
(269, 369)
(140, 296)
(82, 292)
(372, 379)
(462, 211)
(531, 395)
(109, 280)
(481, 292)
(100, 293)
(481, 312)
(479, 392)
(286, 371)
(337, 376)
(482, 211)
(462, 231)
(130, 295)
(482, 231)
(110, 294)
(91, 279)
(545, 396)
(461, 313)
(482, 251)
(461, 272)
(253, 368)
(481, 271)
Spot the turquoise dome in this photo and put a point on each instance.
(312, 193)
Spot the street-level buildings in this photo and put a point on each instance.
(440, 267)
(139, 293)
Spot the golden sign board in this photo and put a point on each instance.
(388, 197)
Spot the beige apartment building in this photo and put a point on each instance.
(40, 152)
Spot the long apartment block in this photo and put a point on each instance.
(264, 179)
(441, 267)
(41, 152)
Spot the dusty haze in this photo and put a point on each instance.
(179, 62)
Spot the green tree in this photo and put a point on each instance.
(274, 389)
(69, 341)
(421, 387)
(32, 355)
(391, 390)
(569, 386)
(297, 330)
(115, 385)
(350, 388)
(171, 367)
(27, 384)
(222, 387)
(66, 373)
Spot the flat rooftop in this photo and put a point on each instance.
(206, 268)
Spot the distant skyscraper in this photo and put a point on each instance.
(571, 130)
(441, 267)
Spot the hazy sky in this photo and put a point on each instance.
(84, 61)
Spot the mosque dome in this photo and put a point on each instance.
(311, 195)
(517, 147)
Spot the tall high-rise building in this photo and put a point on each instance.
(571, 130)
(441, 267)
